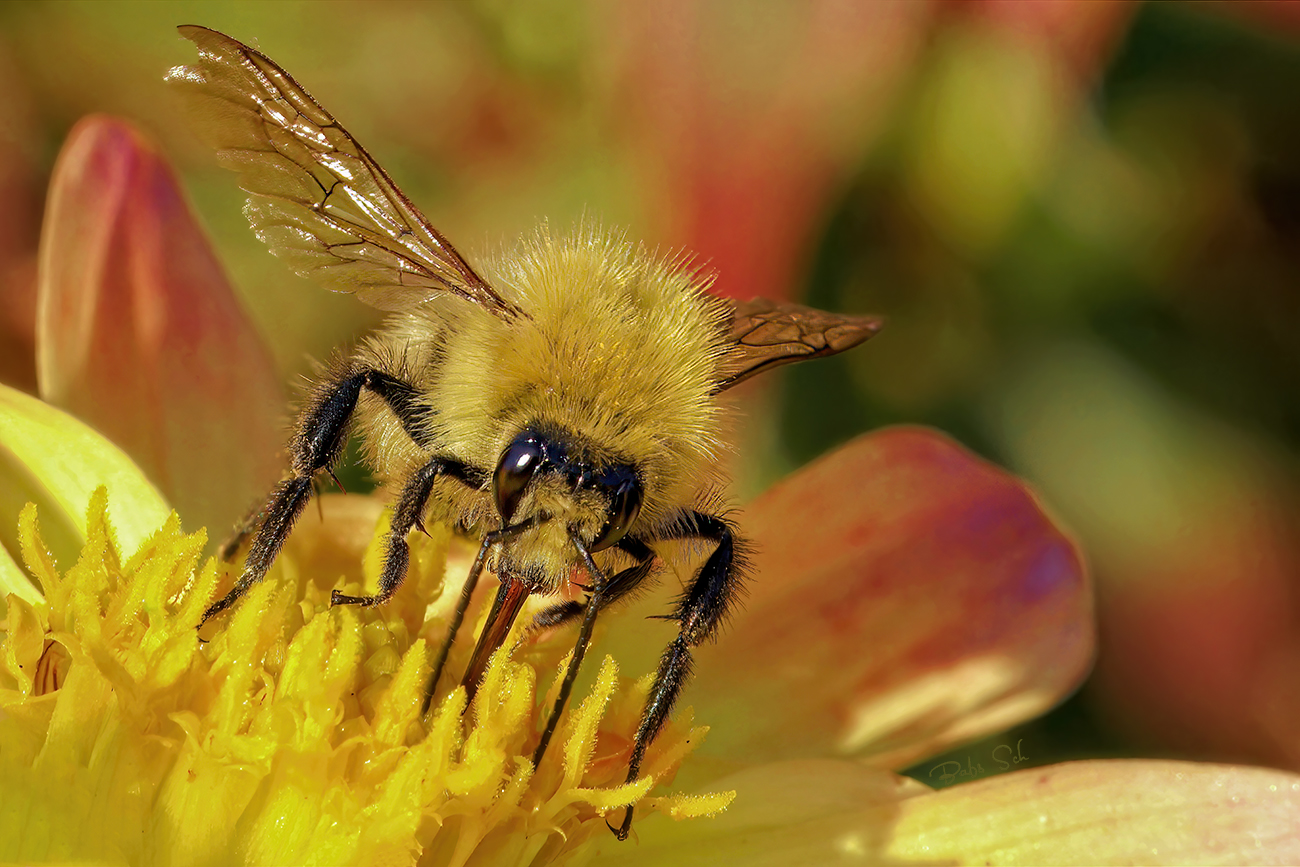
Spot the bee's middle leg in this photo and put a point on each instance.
(406, 516)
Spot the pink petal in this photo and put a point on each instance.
(1111, 812)
(907, 596)
(1202, 637)
(140, 334)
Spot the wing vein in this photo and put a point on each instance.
(314, 191)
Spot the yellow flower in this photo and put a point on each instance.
(908, 597)
(294, 735)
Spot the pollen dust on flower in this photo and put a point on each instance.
(294, 734)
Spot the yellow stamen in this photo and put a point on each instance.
(294, 735)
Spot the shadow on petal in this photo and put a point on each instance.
(786, 813)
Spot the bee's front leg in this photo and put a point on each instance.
(316, 446)
(317, 443)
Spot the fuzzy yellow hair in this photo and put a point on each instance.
(617, 349)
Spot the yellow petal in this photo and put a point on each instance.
(52, 459)
(25, 641)
(584, 722)
(689, 806)
(789, 814)
(619, 796)
(122, 735)
(14, 580)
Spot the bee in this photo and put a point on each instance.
(559, 404)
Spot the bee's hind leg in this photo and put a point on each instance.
(700, 611)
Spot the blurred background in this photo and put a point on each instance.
(1082, 220)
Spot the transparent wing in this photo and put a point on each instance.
(766, 335)
(316, 198)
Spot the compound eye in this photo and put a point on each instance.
(624, 506)
(515, 469)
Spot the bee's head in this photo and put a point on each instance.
(538, 463)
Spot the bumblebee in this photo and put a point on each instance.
(560, 404)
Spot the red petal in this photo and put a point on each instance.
(140, 334)
(908, 596)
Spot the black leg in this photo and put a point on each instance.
(699, 612)
(404, 400)
(568, 611)
(316, 446)
(605, 593)
(280, 513)
(559, 614)
(410, 508)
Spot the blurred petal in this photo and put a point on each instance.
(50, 458)
(908, 596)
(1080, 33)
(745, 146)
(786, 813)
(1192, 533)
(1108, 812)
(1278, 16)
(21, 182)
(988, 120)
(139, 333)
